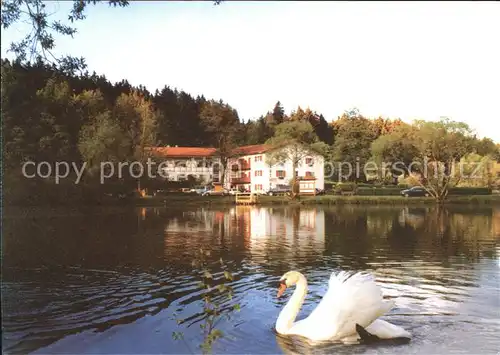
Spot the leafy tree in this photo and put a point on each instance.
(354, 135)
(138, 119)
(395, 151)
(292, 142)
(39, 43)
(258, 131)
(386, 126)
(102, 140)
(484, 147)
(476, 170)
(317, 121)
(58, 126)
(440, 145)
(222, 123)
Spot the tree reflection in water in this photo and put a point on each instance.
(68, 273)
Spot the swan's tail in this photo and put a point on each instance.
(365, 336)
(382, 331)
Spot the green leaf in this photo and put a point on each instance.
(207, 275)
(228, 275)
(236, 307)
(216, 333)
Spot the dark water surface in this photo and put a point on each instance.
(115, 281)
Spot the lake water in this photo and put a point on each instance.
(116, 281)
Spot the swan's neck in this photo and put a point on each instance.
(292, 308)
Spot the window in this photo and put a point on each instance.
(280, 173)
(258, 172)
(309, 161)
(258, 158)
(309, 173)
(258, 187)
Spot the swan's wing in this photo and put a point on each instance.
(385, 330)
(352, 298)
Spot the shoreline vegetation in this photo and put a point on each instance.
(318, 200)
(182, 200)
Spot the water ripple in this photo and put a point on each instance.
(128, 295)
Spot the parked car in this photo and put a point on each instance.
(320, 191)
(415, 191)
(279, 190)
(199, 189)
(213, 192)
(234, 191)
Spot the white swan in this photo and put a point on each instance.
(347, 313)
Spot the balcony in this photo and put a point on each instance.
(183, 169)
(240, 165)
(240, 179)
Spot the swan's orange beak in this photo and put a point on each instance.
(281, 289)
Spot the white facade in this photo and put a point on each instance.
(258, 176)
(250, 172)
(267, 226)
(179, 169)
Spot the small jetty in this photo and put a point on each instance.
(246, 198)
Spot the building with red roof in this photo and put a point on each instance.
(247, 169)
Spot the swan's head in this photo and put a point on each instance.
(287, 280)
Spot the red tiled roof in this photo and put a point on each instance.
(206, 152)
(251, 149)
(183, 151)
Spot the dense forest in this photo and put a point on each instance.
(51, 116)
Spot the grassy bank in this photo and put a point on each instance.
(398, 200)
(194, 201)
(180, 200)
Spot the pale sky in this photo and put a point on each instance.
(407, 59)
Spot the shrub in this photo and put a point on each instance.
(469, 191)
(379, 191)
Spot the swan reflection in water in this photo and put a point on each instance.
(298, 345)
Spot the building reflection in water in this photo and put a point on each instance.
(294, 228)
(348, 230)
(250, 227)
